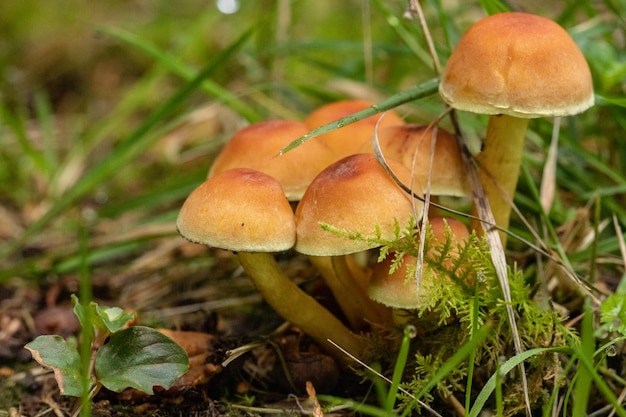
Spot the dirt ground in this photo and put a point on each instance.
(236, 325)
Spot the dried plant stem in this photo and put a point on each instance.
(496, 249)
(500, 162)
(415, 11)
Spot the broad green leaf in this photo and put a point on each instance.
(140, 357)
(54, 352)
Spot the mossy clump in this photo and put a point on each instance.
(464, 295)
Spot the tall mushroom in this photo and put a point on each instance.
(245, 211)
(514, 66)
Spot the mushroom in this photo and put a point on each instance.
(355, 195)
(513, 67)
(394, 287)
(246, 211)
(412, 145)
(348, 140)
(257, 145)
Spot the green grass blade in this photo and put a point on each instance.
(493, 6)
(506, 367)
(127, 150)
(582, 384)
(472, 355)
(380, 385)
(454, 361)
(175, 65)
(586, 362)
(398, 370)
(420, 91)
(45, 123)
(86, 295)
(15, 122)
(451, 32)
(365, 409)
(407, 37)
(615, 101)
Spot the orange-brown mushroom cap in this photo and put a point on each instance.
(349, 139)
(354, 194)
(517, 64)
(241, 210)
(257, 146)
(411, 144)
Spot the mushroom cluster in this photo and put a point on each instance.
(346, 202)
(247, 202)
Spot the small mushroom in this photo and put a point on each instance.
(514, 66)
(246, 211)
(395, 288)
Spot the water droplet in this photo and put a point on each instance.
(228, 6)
(410, 331)
(89, 215)
(611, 351)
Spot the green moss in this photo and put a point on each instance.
(464, 295)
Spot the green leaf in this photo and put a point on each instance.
(613, 314)
(105, 319)
(85, 318)
(140, 357)
(113, 318)
(53, 352)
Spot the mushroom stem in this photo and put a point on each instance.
(500, 162)
(299, 308)
(359, 309)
